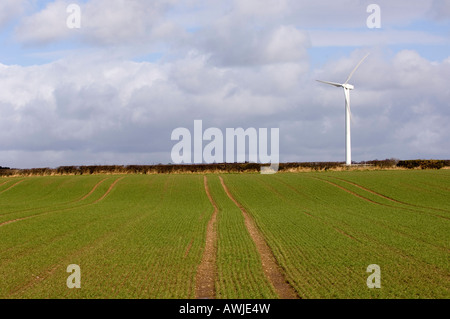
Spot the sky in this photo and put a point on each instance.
(112, 91)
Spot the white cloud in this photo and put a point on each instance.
(286, 44)
(440, 10)
(333, 14)
(240, 64)
(233, 43)
(330, 38)
(9, 9)
(45, 26)
(103, 22)
(96, 105)
(121, 23)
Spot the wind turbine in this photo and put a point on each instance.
(347, 87)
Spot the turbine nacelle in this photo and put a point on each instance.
(348, 86)
(339, 85)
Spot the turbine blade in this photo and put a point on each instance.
(357, 66)
(331, 83)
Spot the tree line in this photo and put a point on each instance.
(219, 168)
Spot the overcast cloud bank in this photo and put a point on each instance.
(135, 71)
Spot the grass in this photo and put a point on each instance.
(142, 236)
(131, 244)
(240, 274)
(325, 237)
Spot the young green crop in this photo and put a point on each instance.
(325, 237)
(132, 244)
(239, 270)
(142, 236)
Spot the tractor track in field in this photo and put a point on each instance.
(63, 209)
(15, 220)
(109, 190)
(92, 191)
(61, 204)
(270, 266)
(15, 184)
(206, 271)
(188, 248)
(296, 190)
(342, 232)
(378, 203)
(50, 271)
(350, 192)
(283, 197)
(390, 206)
(387, 197)
(339, 230)
(143, 289)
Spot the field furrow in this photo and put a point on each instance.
(394, 200)
(10, 187)
(270, 265)
(38, 194)
(91, 191)
(312, 251)
(240, 273)
(243, 236)
(41, 211)
(206, 272)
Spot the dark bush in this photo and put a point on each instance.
(423, 164)
(220, 167)
(68, 170)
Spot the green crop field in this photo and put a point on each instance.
(144, 236)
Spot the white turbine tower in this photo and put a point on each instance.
(347, 87)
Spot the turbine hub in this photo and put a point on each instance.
(348, 86)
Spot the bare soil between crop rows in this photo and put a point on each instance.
(206, 272)
(270, 266)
